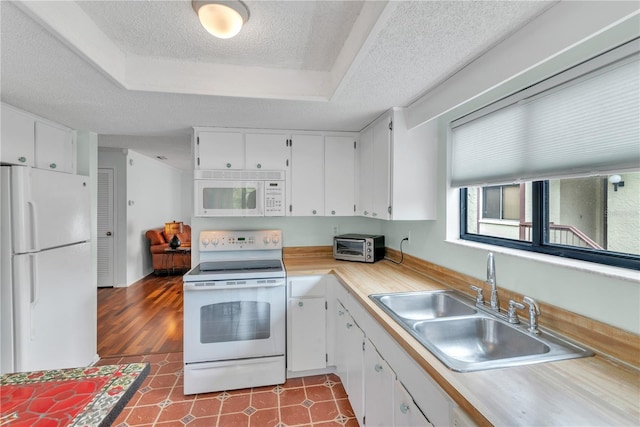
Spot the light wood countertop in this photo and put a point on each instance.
(589, 391)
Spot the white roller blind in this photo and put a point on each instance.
(587, 126)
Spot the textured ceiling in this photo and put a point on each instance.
(367, 58)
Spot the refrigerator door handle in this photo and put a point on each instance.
(33, 300)
(33, 211)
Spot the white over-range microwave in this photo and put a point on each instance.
(239, 193)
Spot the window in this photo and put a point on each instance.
(572, 145)
(501, 202)
(584, 218)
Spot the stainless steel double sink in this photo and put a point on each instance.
(467, 338)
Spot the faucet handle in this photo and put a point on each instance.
(512, 314)
(479, 297)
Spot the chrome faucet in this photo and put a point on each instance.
(491, 281)
(534, 312)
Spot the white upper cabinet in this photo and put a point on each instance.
(31, 141)
(54, 148)
(397, 169)
(266, 151)
(307, 175)
(381, 207)
(374, 164)
(219, 150)
(339, 175)
(18, 146)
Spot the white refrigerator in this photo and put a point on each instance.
(48, 295)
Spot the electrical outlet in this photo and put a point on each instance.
(336, 230)
(408, 237)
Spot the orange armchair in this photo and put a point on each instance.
(167, 261)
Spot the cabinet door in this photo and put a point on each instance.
(220, 150)
(405, 412)
(266, 151)
(355, 367)
(308, 346)
(54, 148)
(339, 176)
(365, 173)
(307, 175)
(381, 168)
(341, 340)
(378, 388)
(17, 137)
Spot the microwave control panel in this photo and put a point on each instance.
(274, 199)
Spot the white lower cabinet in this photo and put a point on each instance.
(307, 324)
(405, 411)
(354, 357)
(385, 386)
(379, 381)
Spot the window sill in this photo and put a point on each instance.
(588, 267)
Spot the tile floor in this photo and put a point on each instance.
(309, 401)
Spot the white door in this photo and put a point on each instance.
(307, 175)
(220, 150)
(106, 243)
(266, 151)
(308, 326)
(55, 314)
(54, 148)
(405, 412)
(378, 388)
(17, 136)
(365, 173)
(339, 178)
(355, 367)
(50, 209)
(382, 171)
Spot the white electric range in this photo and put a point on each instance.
(234, 312)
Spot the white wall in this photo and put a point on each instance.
(154, 196)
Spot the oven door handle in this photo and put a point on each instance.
(219, 286)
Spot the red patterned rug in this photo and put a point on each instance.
(91, 396)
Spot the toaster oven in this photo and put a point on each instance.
(358, 247)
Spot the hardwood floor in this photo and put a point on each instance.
(144, 318)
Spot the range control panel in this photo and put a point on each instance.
(231, 240)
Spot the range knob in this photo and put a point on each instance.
(266, 240)
(205, 242)
(215, 241)
(275, 239)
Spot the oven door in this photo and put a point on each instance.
(228, 198)
(224, 321)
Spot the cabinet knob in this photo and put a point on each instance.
(314, 212)
(333, 212)
(404, 408)
(52, 165)
(374, 214)
(22, 159)
(378, 368)
(228, 165)
(366, 212)
(349, 325)
(259, 166)
(340, 313)
(300, 304)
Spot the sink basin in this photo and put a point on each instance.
(478, 339)
(467, 338)
(423, 305)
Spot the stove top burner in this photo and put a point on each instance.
(266, 265)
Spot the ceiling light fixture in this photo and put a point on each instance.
(223, 19)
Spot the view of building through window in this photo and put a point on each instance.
(601, 213)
